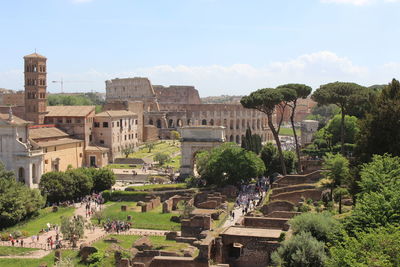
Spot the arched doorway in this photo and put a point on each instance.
(231, 138)
(204, 122)
(21, 175)
(170, 123)
(151, 122)
(237, 139)
(212, 122)
(158, 123)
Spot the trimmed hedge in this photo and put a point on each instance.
(157, 187)
(124, 195)
(140, 195)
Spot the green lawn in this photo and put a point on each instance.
(34, 225)
(153, 219)
(6, 251)
(47, 260)
(175, 162)
(158, 187)
(164, 147)
(126, 241)
(289, 131)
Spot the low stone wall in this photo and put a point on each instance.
(277, 206)
(291, 188)
(283, 214)
(209, 200)
(195, 225)
(297, 196)
(141, 196)
(165, 261)
(151, 203)
(296, 179)
(265, 222)
(310, 165)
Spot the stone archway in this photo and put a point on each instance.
(194, 139)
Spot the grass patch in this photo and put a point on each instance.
(6, 251)
(289, 132)
(126, 241)
(153, 219)
(157, 187)
(34, 225)
(46, 260)
(164, 146)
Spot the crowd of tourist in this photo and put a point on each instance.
(116, 226)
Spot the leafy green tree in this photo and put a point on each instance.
(380, 130)
(161, 158)
(380, 247)
(344, 95)
(228, 164)
(336, 170)
(175, 136)
(265, 100)
(302, 250)
(73, 228)
(323, 114)
(339, 193)
(351, 129)
(83, 183)
(270, 157)
(99, 216)
(57, 186)
(322, 226)
(103, 179)
(252, 142)
(150, 146)
(289, 95)
(17, 201)
(378, 203)
(301, 91)
(127, 151)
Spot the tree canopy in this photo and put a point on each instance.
(228, 164)
(270, 157)
(265, 100)
(17, 201)
(380, 130)
(342, 94)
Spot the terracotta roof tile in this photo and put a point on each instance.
(46, 132)
(69, 111)
(115, 113)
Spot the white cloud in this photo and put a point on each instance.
(359, 2)
(313, 69)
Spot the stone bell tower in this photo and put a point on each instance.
(35, 88)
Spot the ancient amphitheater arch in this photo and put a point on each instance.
(195, 139)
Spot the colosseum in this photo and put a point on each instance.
(161, 109)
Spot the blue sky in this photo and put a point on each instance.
(219, 46)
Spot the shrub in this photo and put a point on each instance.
(322, 226)
(301, 250)
(304, 208)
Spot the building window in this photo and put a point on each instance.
(78, 120)
(125, 137)
(69, 121)
(96, 124)
(112, 124)
(117, 123)
(105, 124)
(80, 155)
(102, 142)
(59, 120)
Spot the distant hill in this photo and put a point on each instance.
(223, 99)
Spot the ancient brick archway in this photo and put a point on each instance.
(197, 138)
